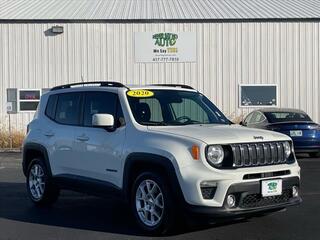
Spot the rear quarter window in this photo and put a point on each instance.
(51, 106)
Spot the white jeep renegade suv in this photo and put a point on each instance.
(165, 149)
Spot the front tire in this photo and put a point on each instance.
(152, 203)
(40, 188)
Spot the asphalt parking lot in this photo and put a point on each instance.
(77, 216)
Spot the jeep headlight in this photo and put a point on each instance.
(287, 149)
(215, 155)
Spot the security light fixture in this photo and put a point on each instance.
(57, 29)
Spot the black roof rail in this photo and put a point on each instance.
(173, 85)
(102, 84)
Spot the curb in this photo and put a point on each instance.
(10, 150)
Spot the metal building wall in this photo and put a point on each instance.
(285, 53)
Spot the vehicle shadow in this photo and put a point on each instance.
(78, 211)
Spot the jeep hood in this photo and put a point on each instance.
(221, 134)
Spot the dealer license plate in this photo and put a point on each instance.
(296, 133)
(271, 187)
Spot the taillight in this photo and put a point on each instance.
(315, 127)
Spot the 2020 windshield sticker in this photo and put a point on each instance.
(141, 93)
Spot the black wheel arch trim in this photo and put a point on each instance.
(155, 160)
(38, 148)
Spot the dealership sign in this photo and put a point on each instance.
(152, 47)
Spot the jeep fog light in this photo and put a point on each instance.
(231, 201)
(215, 155)
(295, 191)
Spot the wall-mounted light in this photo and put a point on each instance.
(57, 29)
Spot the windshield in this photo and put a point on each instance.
(172, 107)
(275, 117)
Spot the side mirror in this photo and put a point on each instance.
(103, 120)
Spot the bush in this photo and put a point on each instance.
(17, 139)
(236, 118)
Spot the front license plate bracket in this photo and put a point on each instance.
(271, 187)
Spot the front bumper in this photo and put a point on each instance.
(255, 204)
(312, 149)
(306, 145)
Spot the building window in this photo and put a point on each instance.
(258, 95)
(28, 99)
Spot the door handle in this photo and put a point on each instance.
(49, 134)
(83, 138)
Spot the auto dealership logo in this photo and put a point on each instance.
(165, 47)
(272, 186)
(165, 39)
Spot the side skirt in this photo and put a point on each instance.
(88, 185)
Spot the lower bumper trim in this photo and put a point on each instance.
(222, 212)
(242, 190)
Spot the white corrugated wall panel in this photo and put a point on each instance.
(285, 53)
(158, 9)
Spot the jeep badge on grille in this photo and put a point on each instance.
(258, 137)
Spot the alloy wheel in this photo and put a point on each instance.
(36, 181)
(149, 203)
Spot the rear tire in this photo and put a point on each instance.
(41, 190)
(152, 203)
(314, 154)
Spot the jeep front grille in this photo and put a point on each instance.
(258, 154)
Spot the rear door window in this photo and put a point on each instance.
(68, 109)
(247, 120)
(257, 118)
